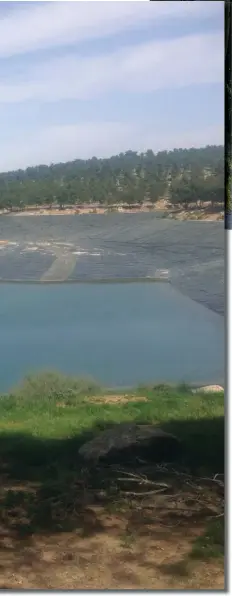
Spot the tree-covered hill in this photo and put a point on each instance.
(182, 175)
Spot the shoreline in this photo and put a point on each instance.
(193, 387)
(179, 214)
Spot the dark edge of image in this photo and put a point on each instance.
(228, 132)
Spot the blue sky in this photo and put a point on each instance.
(79, 79)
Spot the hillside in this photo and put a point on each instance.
(183, 176)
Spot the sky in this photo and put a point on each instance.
(83, 79)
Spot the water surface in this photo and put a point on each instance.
(117, 246)
(120, 334)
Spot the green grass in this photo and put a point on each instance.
(211, 543)
(44, 421)
(51, 408)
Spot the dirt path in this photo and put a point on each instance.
(112, 557)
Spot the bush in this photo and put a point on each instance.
(54, 385)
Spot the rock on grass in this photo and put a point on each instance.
(128, 441)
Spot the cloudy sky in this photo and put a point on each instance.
(79, 79)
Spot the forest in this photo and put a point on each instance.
(183, 176)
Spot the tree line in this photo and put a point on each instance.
(183, 176)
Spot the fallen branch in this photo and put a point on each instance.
(146, 481)
(150, 492)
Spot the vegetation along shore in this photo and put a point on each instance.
(182, 184)
(103, 489)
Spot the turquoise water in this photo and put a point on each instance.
(120, 334)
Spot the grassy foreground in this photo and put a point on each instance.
(44, 487)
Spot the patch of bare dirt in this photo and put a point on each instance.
(108, 399)
(116, 399)
(114, 558)
(214, 217)
(162, 205)
(80, 536)
(61, 404)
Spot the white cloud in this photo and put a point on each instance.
(102, 139)
(146, 67)
(55, 24)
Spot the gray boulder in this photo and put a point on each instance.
(126, 442)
